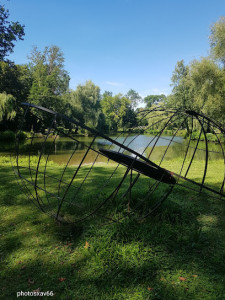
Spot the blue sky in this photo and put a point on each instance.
(118, 44)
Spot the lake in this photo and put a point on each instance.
(61, 148)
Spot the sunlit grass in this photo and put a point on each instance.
(177, 254)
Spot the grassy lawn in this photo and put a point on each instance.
(177, 254)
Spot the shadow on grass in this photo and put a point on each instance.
(177, 254)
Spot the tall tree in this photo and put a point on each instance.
(15, 80)
(182, 89)
(217, 40)
(88, 97)
(208, 85)
(50, 82)
(7, 110)
(116, 110)
(134, 97)
(15, 83)
(9, 33)
(50, 79)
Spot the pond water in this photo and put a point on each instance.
(60, 149)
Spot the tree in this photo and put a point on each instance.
(200, 87)
(217, 40)
(88, 97)
(15, 80)
(50, 80)
(134, 97)
(129, 120)
(72, 106)
(9, 33)
(102, 126)
(115, 109)
(7, 110)
(208, 86)
(154, 99)
(182, 90)
(107, 93)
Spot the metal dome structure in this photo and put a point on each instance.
(112, 177)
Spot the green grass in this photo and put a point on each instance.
(177, 254)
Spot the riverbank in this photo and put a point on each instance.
(178, 254)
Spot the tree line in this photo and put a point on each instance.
(200, 85)
(43, 81)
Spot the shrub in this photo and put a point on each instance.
(22, 135)
(7, 135)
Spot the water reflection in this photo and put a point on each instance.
(60, 149)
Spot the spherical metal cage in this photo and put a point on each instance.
(112, 177)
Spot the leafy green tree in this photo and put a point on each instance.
(107, 93)
(208, 85)
(182, 88)
(72, 106)
(7, 107)
(50, 80)
(134, 97)
(7, 111)
(87, 97)
(217, 40)
(15, 80)
(9, 33)
(102, 126)
(154, 99)
(129, 120)
(115, 109)
(200, 87)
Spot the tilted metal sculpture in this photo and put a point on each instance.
(116, 177)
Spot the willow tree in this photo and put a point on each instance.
(87, 98)
(217, 40)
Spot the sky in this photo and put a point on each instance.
(118, 44)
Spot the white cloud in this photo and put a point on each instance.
(112, 83)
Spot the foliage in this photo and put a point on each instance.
(87, 97)
(15, 80)
(154, 99)
(210, 137)
(116, 110)
(134, 98)
(50, 80)
(102, 126)
(199, 86)
(181, 93)
(7, 107)
(72, 106)
(22, 135)
(217, 40)
(9, 33)
(7, 136)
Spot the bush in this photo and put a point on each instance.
(22, 135)
(7, 135)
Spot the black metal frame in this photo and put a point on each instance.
(135, 162)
